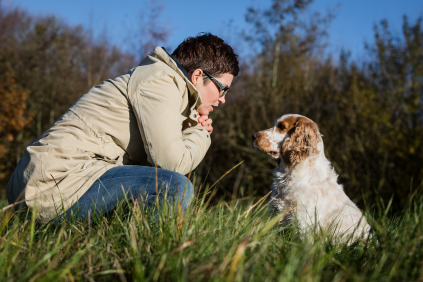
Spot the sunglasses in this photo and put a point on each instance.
(224, 88)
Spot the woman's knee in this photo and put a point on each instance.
(186, 193)
(180, 188)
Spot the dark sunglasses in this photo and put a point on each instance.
(224, 88)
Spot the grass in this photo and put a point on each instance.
(224, 242)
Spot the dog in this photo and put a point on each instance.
(305, 187)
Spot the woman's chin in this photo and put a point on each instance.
(204, 112)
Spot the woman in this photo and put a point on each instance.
(106, 146)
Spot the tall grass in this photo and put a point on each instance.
(234, 241)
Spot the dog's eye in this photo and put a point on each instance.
(281, 126)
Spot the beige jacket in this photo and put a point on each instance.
(138, 118)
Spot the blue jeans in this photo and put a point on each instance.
(132, 182)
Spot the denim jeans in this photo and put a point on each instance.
(130, 182)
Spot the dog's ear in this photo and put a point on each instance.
(302, 141)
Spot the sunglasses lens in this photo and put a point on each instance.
(219, 85)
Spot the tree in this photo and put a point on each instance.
(279, 79)
(47, 66)
(370, 113)
(14, 118)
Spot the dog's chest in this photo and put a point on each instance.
(282, 200)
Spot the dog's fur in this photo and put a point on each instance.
(305, 185)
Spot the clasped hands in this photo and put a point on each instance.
(204, 120)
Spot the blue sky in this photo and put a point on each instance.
(118, 19)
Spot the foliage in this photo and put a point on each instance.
(369, 113)
(13, 119)
(47, 66)
(152, 32)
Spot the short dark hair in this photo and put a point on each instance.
(209, 53)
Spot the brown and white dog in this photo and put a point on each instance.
(305, 185)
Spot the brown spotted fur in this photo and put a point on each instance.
(302, 141)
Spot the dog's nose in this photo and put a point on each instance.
(255, 136)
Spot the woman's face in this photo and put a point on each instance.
(209, 91)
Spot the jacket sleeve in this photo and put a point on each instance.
(156, 105)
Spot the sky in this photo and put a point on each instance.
(352, 26)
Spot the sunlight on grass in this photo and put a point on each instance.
(218, 242)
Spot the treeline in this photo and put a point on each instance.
(46, 65)
(369, 111)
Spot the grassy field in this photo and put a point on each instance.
(221, 242)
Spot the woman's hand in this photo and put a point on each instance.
(205, 121)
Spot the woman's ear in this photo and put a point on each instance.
(195, 76)
(302, 142)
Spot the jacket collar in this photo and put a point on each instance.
(161, 54)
